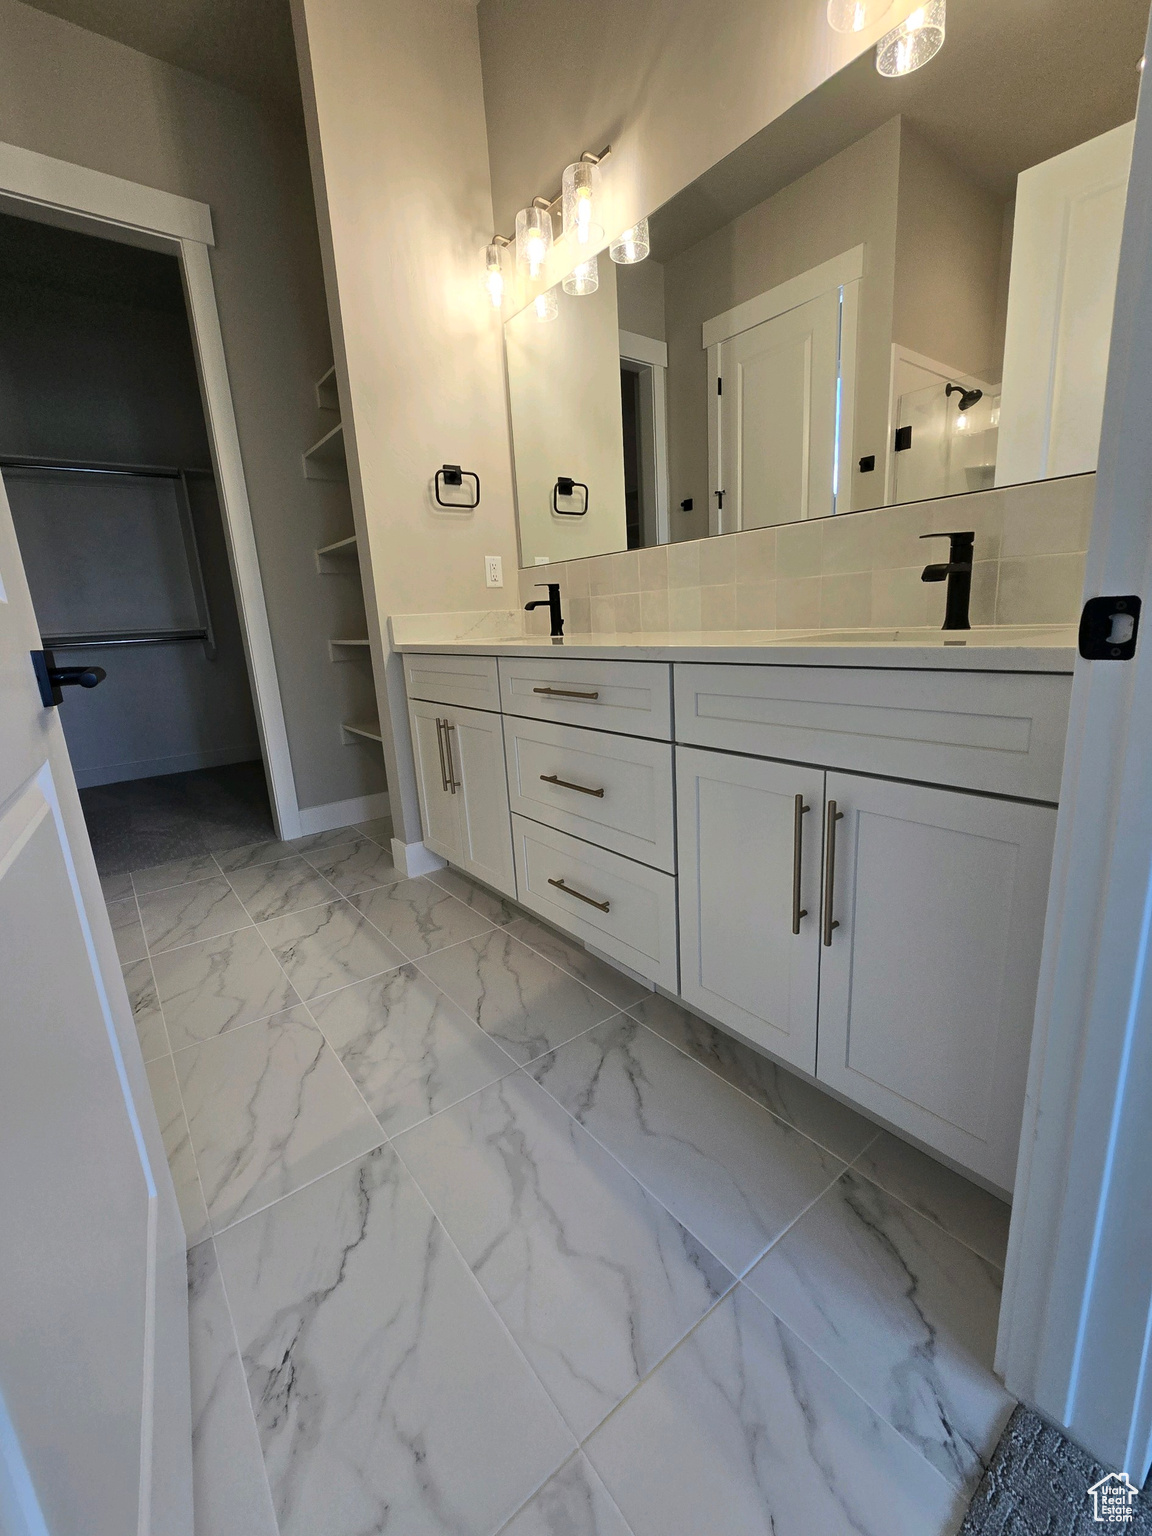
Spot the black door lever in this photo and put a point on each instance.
(51, 679)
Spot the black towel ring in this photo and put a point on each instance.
(452, 474)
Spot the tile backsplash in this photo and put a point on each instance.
(841, 572)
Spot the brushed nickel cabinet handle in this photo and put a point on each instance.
(550, 778)
(453, 781)
(440, 748)
(601, 906)
(797, 860)
(566, 693)
(830, 869)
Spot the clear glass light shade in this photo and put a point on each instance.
(633, 245)
(494, 275)
(533, 239)
(583, 279)
(546, 305)
(579, 188)
(910, 45)
(855, 15)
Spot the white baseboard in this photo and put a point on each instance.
(154, 767)
(414, 859)
(343, 813)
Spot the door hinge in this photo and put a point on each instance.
(1108, 628)
(719, 495)
(903, 439)
(719, 386)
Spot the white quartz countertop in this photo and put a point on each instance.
(1019, 648)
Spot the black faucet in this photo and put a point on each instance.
(555, 614)
(957, 573)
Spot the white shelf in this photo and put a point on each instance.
(326, 396)
(340, 547)
(344, 649)
(326, 459)
(368, 730)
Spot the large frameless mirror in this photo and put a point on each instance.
(900, 289)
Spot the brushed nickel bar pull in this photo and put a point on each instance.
(453, 781)
(601, 906)
(440, 746)
(550, 778)
(797, 859)
(830, 869)
(567, 693)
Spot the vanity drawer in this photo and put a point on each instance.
(639, 926)
(613, 790)
(634, 697)
(1001, 733)
(466, 680)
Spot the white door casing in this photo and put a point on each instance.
(93, 1290)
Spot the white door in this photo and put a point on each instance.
(438, 792)
(93, 1285)
(476, 755)
(777, 409)
(749, 850)
(1061, 293)
(928, 986)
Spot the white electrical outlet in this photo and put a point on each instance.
(494, 570)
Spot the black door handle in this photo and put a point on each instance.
(51, 679)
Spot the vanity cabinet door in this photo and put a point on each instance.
(738, 836)
(928, 985)
(476, 754)
(438, 805)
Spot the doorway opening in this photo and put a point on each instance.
(106, 459)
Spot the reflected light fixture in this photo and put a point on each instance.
(855, 15)
(494, 271)
(577, 191)
(632, 246)
(546, 305)
(583, 279)
(910, 45)
(533, 236)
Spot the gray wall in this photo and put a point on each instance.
(71, 94)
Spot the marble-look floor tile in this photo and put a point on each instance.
(269, 1109)
(844, 1132)
(577, 961)
(573, 1502)
(730, 1171)
(953, 1202)
(328, 947)
(379, 829)
(184, 913)
(522, 1000)
(744, 1430)
(230, 1493)
(219, 984)
(201, 866)
(126, 930)
(355, 867)
(418, 917)
(178, 1149)
(410, 1050)
(116, 887)
(271, 849)
(905, 1313)
(489, 904)
(149, 1020)
(387, 1394)
(288, 885)
(594, 1279)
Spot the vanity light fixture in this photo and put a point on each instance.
(494, 270)
(632, 246)
(855, 15)
(583, 279)
(546, 305)
(533, 236)
(910, 45)
(577, 193)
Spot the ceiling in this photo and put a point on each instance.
(245, 45)
(1016, 82)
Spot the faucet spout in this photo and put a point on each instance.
(552, 602)
(957, 572)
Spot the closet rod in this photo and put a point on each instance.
(86, 467)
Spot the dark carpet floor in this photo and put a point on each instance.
(142, 822)
(1037, 1485)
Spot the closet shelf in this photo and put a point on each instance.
(326, 396)
(368, 729)
(326, 459)
(341, 546)
(343, 648)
